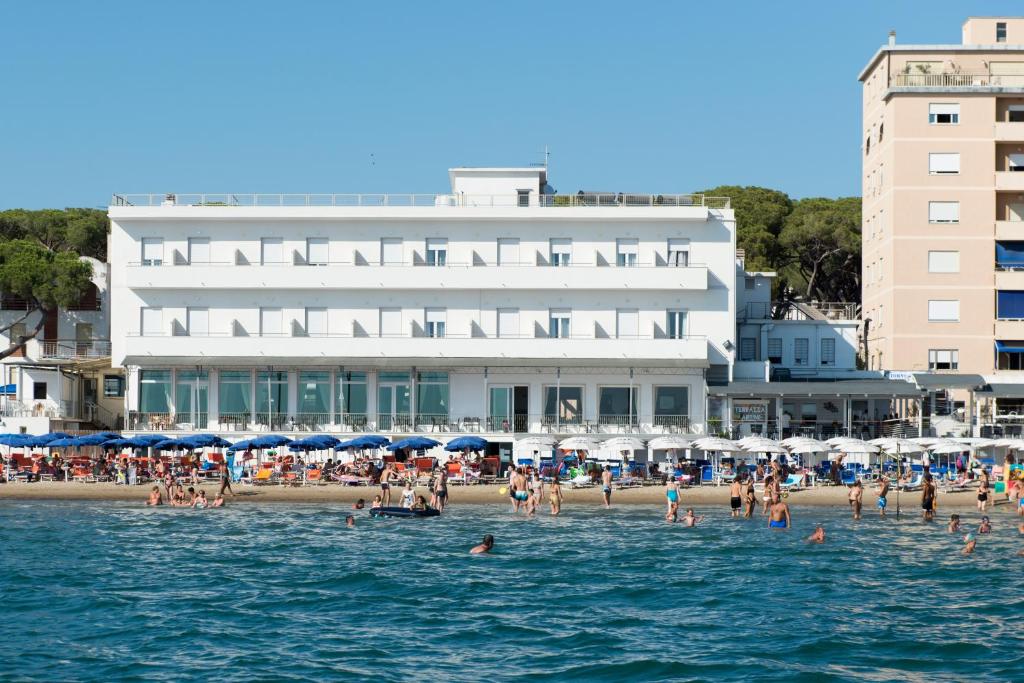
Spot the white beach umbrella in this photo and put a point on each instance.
(926, 440)
(976, 442)
(622, 443)
(806, 445)
(836, 440)
(852, 446)
(949, 447)
(535, 443)
(578, 443)
(714, 443)
(895, 445)
(666, 443)
(1012, 444)
(766, 446)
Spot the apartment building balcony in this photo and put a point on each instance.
(647, 351)
(1009, 329)
(1010, 180)
(1010, 277)
(452, 276)
(495, 427)
(961, 80)
(74, 350)
(1009, 131)
(1010, 230)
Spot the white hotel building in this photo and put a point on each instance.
(500, 308)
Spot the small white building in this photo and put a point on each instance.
(499, 307)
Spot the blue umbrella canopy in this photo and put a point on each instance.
(241, 446)
(149, 439)
(126, 443)
(473, 443)
(319, 442)
(15, 439)
(205, 440)
(270, 441)
(170, 445)
(94, 439)
(414, 442)
(66, 442)
(108, 435)
(53, 436)
(368, 441)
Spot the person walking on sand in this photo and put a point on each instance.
(857, 498)
(778, 516)
(735, 498)
(225, 479)
(555, 495)
(672, 499)
(883, 491)
(385, 484)
(606, 486)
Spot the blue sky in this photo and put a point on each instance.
(296, 96)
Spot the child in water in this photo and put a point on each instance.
(969, 543)
(954, 524)
(376, 503)
(408, 495)
(985, 527)
(690, 519)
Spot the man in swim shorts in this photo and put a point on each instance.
(385, 484)
(883, 491)
(517, 486)
(735, 500)
(606, 486)
(778, 516)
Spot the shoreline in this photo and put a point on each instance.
(820, 496)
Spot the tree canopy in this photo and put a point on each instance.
(813, 244)
(83, 231)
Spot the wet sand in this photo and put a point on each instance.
(823, 496)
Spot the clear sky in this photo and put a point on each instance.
(302, 96)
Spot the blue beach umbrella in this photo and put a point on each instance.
(108, 435)
(169, 445)
(94, 439)
(416, 443)
(240, 446)
(15, 439)
(205, 441)
(66, 442)
(270, 441)
(126, 443)
(53, 436)
(149, 439)
(368, 441)
(473, 443)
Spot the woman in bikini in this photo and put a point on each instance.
(555, 496)
(672, 498)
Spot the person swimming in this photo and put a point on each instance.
(377, 502)
(218, 502)
(200, 502)
(985, 527)
(484, 547)
(690, 519)
(359, 504)
(954, 524)
(350, 521)
(818, 536)
(969, 544)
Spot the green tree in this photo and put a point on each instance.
(80, 230)
(44, 278)
(760, 215)
(820, 249)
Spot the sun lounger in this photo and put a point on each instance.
(264, 476)
(794, 482)
(913, 484)
(581, 481)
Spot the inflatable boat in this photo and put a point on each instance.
(403, 512)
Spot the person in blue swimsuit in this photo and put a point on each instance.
(672, 496)
(778, 516)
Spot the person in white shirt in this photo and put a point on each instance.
(408, 495)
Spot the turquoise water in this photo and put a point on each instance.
(111, 591)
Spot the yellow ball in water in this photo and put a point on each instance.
(503, 490)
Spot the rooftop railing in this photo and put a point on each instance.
(962, 79)
(582, 199)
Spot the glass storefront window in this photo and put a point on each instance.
(191, 394)
(272, 392)
(672, 406)
(432, 395)
(315, 392)
(563, 404)
(155, 391)
(235, 392)
(352, 393)
(617, 404)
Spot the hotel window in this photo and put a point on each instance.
(801, 351)
(678, 252)
(1015, 113)
(508, 322)
(672, 406)
(198, 322)
(944, 163)
(775, 350)
(943, 212)
(391, 322)
(560, 251)
(508, 251)
(627, 323)
(1000, 31)
(234, 393)
(828, 352)
(435, 319)
(1015, 163)
(1010, 355)
(748, 348)
(316, 322)
(616, 405)
(1009, 305)
(352, 394)
(558, 323)
(271, 251)
(943, 310)
(391, 251)
(944, 114)
(432, 396)
(152, 251)
(943, 261)
(38, 391)
(522, 197)
(155, 391)
(437, 251)
(943, 359)
(113, 386)
(563, 404)
(1010, 255)
(315, 393)
(675, 324)
(271, 395)
(271, 322)
(198, 250)
(626, 252)
(317, 251)
(152, 323)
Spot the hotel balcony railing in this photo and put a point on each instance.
(822, 429)
(66, 410)
(408, 423)
(963, 79)
(71, 349)
(505, 201)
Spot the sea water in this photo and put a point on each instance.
(116, 591)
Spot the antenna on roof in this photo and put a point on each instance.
(547, 157)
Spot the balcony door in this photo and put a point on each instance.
(191, 395)
(83, 339)
(394, 402)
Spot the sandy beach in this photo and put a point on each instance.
(822, 496)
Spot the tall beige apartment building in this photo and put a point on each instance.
(943, 188)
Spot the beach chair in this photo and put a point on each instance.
(264, 476)
(314, 477)
(913, 484)
(794, 482)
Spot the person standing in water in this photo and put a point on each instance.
(778, 516)
(385, 484)
(749, 498)
(672, 498)
(690, 519)
(883, 491)
(735, 498)
(983, 494)
(606, 486)
(517, 486)
(225, 479)
(856, 498)
(928, 499)
(555, 495)
(441, 490)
